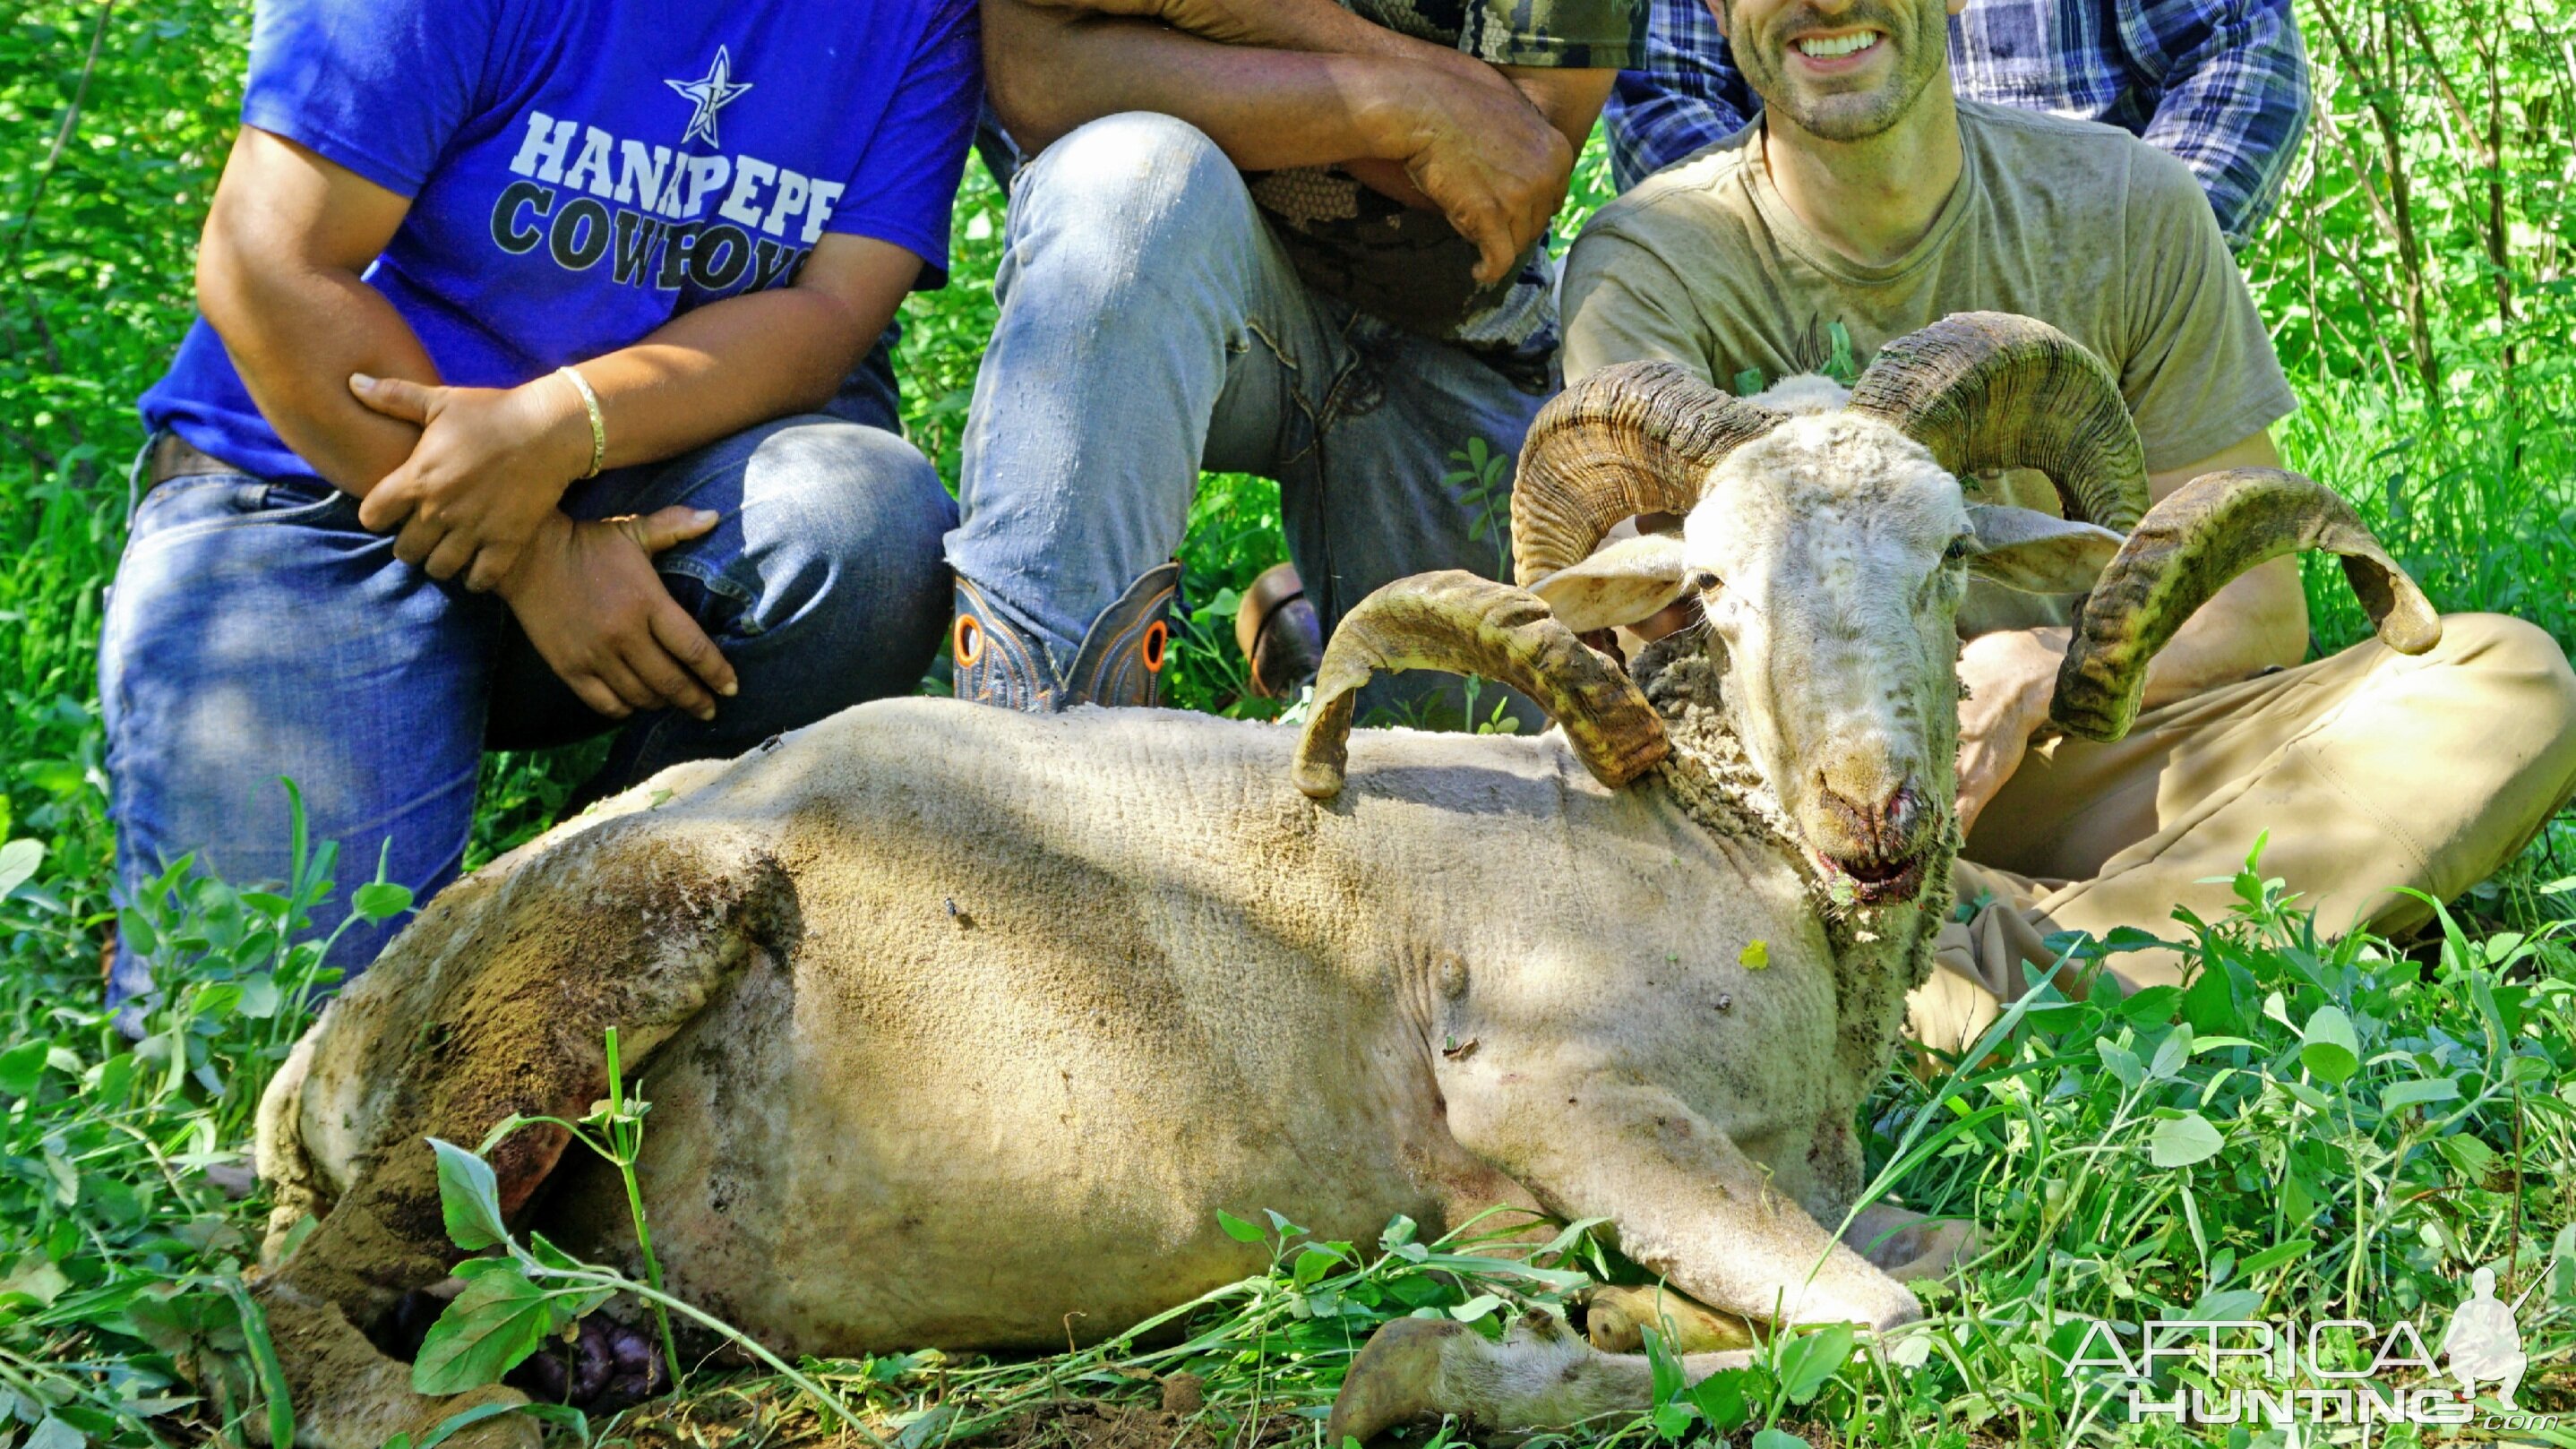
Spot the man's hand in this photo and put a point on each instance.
(2010, 677)
(599, 615)
(1281, 84)
(491, 463)
(1494, 166)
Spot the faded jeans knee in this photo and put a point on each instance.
(256, 631)
(824, 579)
(1135, 264)
(1136, 197)
(839, 521)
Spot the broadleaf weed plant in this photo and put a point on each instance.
(2303, 1129)
(520, 1293)
(1482, 484)
(124, 1152)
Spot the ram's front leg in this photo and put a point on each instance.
(1687, 1204)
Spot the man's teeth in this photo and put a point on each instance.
(1829, 47)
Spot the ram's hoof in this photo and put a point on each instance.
(1395, 1379)
(1616, 1318)
(1908, 1246)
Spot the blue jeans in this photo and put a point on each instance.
(1151, 326)
(255, 631)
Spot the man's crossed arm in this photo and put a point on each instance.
(469, 478)
(1289, 83)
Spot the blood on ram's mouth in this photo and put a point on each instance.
(1879, 882)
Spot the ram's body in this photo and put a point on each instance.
(1013, 1030)
(961, 1026)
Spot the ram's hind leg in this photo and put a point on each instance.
(1542, 1376)
(622, 928)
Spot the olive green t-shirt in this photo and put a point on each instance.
(1410, 267)
(2082, 226)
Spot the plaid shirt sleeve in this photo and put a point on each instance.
(1685, 97)
(2233, 102)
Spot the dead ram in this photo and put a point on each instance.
(962, 1024)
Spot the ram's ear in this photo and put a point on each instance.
(2036, 553)
(1633, 579)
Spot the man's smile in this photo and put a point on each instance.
(1837, 52)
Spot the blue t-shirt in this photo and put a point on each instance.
(582, 171)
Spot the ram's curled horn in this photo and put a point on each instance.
(1457, 622)
(2187, 548)
(1991, 390)
(1635, 438)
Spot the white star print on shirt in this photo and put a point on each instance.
(711, 93)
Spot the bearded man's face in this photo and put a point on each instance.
(1841, 72)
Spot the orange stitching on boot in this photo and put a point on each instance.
(1157, 635)
(968, 641)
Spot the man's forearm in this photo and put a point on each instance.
(1050, 71)
(1316, 26)
(1322, 27)
(295, 335)
(1490, 148)
(297, 338)
(714, 371)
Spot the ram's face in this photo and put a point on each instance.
(1830, 557)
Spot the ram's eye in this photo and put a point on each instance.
(1701, 581)
(1961, 549)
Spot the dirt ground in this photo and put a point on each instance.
(1171, 1414)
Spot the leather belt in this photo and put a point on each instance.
(175, 457)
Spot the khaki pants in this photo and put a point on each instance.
(2370, 770)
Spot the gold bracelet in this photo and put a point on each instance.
(598, 424)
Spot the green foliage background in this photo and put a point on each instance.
(2421, 284)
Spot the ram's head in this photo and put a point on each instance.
(1828, 542)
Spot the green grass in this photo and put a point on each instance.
(2311, 1130)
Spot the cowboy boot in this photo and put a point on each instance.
(995, 662)
(1122, 656)
(1120, 662)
